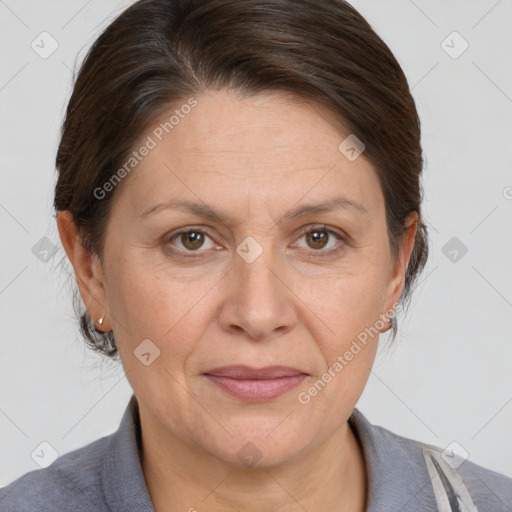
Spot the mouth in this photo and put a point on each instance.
(255, 384)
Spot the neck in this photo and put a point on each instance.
(181, 478)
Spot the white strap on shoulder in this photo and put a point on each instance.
(451, 493)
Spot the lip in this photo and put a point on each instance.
(248, 372)
(256, 384)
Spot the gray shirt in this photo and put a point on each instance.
(404, 475)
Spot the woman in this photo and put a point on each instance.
(239, 195)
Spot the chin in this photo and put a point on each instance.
(261, 449)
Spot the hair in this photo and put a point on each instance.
(157, 53)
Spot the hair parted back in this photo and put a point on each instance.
(159, 52)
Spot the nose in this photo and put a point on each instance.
(258, 300)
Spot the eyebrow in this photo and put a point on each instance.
(207, 212)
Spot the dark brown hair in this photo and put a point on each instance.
(159, 52)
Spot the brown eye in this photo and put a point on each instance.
(317, 238)
(191, 241)
(321, 241)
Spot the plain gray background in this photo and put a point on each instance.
(448, 377)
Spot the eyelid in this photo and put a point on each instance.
(342, 237)
(321, 227)
(201, 229)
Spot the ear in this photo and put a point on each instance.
(88, 270)
(397, 278)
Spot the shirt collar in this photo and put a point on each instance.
(123, 480)
(398, 479)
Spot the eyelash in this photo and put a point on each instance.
(305, 231)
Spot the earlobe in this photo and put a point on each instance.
(88, 271)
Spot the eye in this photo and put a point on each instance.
(319, 237)
(191, 240)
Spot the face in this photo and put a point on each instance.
(264, 282)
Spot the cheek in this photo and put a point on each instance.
(169, 310)
(344, 304)
(344, 327)
(173, 307)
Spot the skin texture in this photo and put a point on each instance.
(254, 159)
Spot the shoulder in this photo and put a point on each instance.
(489, 490)
(72, 482)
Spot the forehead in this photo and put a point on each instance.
(271, 146)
